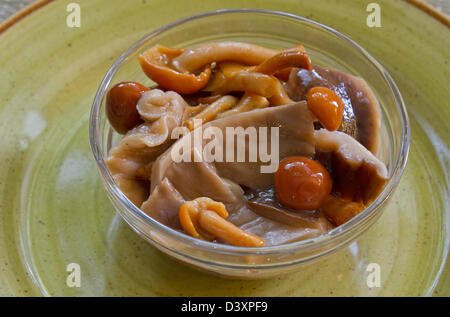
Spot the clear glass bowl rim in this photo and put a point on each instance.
(317, 242)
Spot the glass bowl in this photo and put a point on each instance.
(327, 48)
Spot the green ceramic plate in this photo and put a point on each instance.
(54, 211)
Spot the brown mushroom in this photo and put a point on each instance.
(361, 117)
(193, 59)
(357, 174)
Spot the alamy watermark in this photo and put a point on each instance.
(73, 19)
(234, 143)
(74, 277)
(374, 276)
(374, 18)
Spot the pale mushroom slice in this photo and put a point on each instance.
(163, 204)
(358, 175)
(156, 103)
(362, 118)
(293, 135)
(144, 143)
(186, 181)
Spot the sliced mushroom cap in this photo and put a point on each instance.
(361, 109)
(252, 131)
(357, 174)
(163, 204)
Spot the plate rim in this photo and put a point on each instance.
(421, 5)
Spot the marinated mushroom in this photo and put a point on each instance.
(144, 143)
(205, 218)
(361, 115)
(357, 174)
(121, 103)
(187, 158)
(204, 54)
(155, 63)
